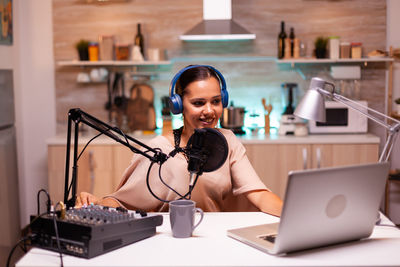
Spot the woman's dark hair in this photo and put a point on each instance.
(199, 73)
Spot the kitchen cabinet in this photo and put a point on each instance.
(104, 161)
(100, 168)
(95, 170)
(272, 162)
(122, 157)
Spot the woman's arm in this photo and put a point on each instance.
(266, 201)
(85, 198)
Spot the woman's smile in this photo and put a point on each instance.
(208, 122)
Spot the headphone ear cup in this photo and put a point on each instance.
(224, 98)
(175, 104)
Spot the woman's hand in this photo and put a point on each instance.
(85, 198)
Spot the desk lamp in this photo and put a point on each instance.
(312, 107)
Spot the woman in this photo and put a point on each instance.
(200, 96)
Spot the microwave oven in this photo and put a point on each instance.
(341, 119)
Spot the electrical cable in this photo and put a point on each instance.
(186, 196)
(32, 237)
(118, 130)
(13, 249)
(56, 231)
(80, 154)
(168, 186)
(148, 184)
(48, 201)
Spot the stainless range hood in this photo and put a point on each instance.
(217, 24)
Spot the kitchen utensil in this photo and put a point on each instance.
(288, 121)
(267, 111)
(233, 117)
(140, 108)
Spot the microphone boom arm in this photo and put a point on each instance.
(76, 116)
(392, 128)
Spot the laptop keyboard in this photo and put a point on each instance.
(270, 238)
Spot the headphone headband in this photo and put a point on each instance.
(175, 101)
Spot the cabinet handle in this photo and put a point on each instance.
(318, 154)
(91, 171)
(305, 158)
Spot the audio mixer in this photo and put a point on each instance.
(94, 230)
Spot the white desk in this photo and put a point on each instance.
(210, 246)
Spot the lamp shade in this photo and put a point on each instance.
(312, 105)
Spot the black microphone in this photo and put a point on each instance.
(207, 150)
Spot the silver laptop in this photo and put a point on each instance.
(322, 207)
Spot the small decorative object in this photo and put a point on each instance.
(6, 22)
(137, 54)
(267, 109)
(397, 101)
(122, 52)
(320, 47)
(83, 49)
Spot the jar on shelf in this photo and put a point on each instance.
(106, 47)
(356, 50)
(344, 50)
(122, 52)
(93, 51)
(334, 47)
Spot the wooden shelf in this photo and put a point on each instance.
(330, 61)
(111, 63)
(302, 62)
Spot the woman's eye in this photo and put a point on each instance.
(198, 103)
(216, 101)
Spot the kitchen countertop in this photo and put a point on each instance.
(245, 139)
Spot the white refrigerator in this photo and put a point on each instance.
(9, 200)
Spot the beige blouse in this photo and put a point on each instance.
(212, 191)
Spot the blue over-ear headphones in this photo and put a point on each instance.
(175, 101)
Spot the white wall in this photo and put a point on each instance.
(31, 58)
(393, 39)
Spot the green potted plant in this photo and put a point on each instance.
(397, 101)
(83, 49)
(320, 47)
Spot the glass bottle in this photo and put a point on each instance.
(281, 41)
(292, 37)
(139, 40)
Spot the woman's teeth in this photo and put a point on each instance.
(207, 120)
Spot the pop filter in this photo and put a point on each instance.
(207, 150)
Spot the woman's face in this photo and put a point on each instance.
(202, 106)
